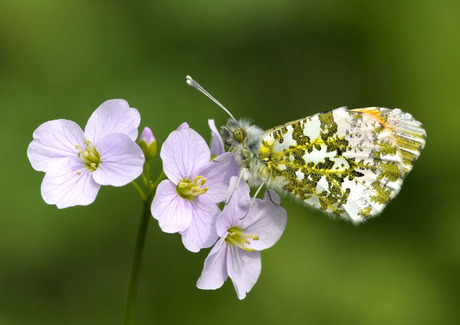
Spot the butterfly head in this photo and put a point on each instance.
(234, 133)
(241, 135)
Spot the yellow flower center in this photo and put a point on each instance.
(235, 236)
(190, 189)
(89, 155)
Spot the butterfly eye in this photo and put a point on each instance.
(239, 135)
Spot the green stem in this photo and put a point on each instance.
(133, 283)
(147, 171)
(139, 190)
(160, 177)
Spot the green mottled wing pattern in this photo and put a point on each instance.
(348, 163)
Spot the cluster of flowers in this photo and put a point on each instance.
(76, 163)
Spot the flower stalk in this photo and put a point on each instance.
(133, 283)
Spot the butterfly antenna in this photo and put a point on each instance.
(197, 86)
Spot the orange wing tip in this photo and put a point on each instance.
(376, 113)
(408, 133)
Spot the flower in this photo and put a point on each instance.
(217, 144)
(186, 202)
(77, 163)
(148, 143)
(243, 234)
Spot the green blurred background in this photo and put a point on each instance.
(273, 61)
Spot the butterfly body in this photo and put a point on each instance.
(347, 163)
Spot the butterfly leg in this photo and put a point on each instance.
(270, 197)
(253, 200)
(224, 158)
(240, 176)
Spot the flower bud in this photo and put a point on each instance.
(148, 143)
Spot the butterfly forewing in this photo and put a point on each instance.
(345, 162)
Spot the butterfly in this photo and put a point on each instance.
(348, 163)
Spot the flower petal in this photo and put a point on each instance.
(173, 213)
(236, 208)
(122, 160)
(217, 145)
(54, 140)
(68, 184)
(214, 271)
(239, 194)
(201, 233)
(147, 136)
(266, 220)
(184, 125)
(183, 153)
(243, 268)
(218, 173)
(113, 116)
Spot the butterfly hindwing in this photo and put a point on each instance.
(348, 163)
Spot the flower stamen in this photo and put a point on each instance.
(190, 189)
(236, 237)
(89, 155)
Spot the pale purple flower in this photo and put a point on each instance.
(147, 136)
(242, 235)
(148, 143)
(217, 144)
(77, 163)
(187, 201)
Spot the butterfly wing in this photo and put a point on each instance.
(345, 162)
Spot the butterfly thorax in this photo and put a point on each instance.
(243, 140)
